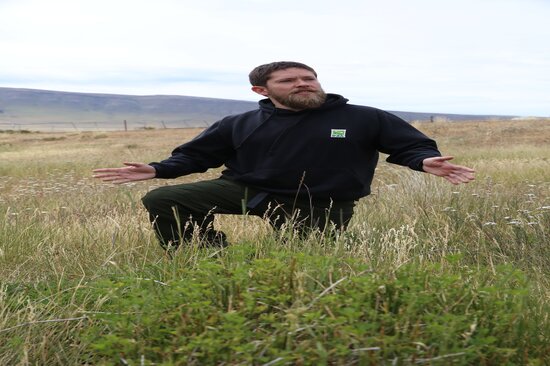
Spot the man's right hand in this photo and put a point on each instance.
(132, 172)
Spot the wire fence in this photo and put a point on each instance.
(99, 125)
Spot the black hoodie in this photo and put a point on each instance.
(328, 152)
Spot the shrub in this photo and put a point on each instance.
(291, 310)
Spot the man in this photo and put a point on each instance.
(302, 155)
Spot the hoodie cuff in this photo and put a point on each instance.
(418, 165)
(157, 174)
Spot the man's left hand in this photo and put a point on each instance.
(441, 167)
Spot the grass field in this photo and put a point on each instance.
(428, 273)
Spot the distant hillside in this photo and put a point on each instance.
(53, 110)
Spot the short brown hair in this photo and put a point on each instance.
(260, 75)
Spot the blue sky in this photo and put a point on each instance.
(448, 56)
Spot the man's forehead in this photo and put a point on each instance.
(291, 72)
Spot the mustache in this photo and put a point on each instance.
(299, 90)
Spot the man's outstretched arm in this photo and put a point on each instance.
(132, 172)
(441, 167)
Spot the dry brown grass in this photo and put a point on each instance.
(489, 133)
(61, 228)
(143, 144)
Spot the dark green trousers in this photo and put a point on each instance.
(179, 211)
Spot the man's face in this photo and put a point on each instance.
(294, 89)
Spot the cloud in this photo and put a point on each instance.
(461, 57)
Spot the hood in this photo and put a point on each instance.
(333, 100)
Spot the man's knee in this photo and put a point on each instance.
(158, 196)
(167, 198)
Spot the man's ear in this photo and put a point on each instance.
(262, 90)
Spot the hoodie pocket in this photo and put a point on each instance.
(322, 183)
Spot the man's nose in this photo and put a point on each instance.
(303, 82)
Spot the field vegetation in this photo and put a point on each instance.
(427, 274)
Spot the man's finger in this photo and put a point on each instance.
(106, 170)
(465, 178)
(462, 168)
(452, 180)
(107, 178)
(444, 158)
(106, 174)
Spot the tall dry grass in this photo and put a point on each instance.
(60, 229)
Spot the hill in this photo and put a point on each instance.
(55, 110)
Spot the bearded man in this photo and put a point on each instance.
(303, 155)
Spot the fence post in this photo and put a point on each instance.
(125, 126)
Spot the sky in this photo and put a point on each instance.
(445, 56)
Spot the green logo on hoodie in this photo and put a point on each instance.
(338, 134)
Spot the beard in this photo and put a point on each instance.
(296, 101)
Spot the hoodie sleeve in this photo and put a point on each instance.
(210, 149)
(404, 144)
